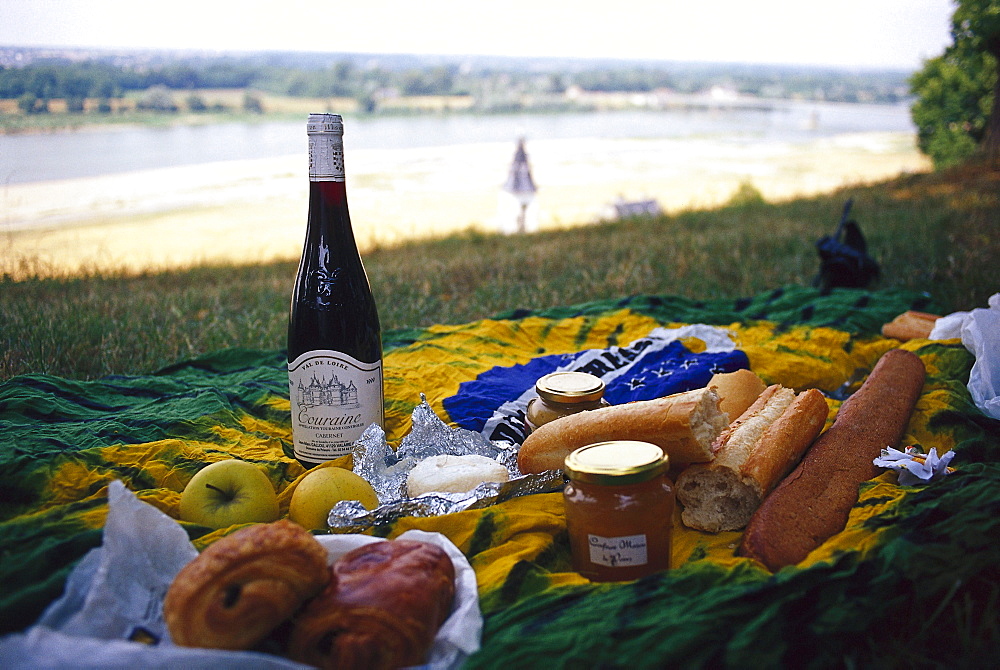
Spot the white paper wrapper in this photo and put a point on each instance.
(117, 591)
(980, 333)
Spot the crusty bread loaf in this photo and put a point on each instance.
(684, 425)
(910, 325)
(815, 500)
(737, 391)
(751, 457)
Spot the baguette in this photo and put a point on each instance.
(684, 425)
(737, 390)
(751, 457)
(910, 325)
(815, 500)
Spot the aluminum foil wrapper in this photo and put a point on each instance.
(386, 469)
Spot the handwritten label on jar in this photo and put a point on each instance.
(618, 552)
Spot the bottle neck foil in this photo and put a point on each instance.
(326, 147)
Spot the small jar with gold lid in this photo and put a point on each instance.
(619, 510)
(564, 393)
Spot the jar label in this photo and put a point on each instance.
(334, 399)
(618, 552)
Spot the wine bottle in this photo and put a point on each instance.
(334, 336)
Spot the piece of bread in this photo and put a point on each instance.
(737, 390)
(453, 474)
(244, 585)
(381, 610)
(751, 457)
(684, 425)
(814, 501)
(910, 325)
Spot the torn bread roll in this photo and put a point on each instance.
(684, 425)
(737, 391)
(910, 326)
(814, 501)
(751, 456)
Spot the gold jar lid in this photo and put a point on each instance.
(569, 387)
(616, 462)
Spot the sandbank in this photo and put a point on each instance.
(255, 211)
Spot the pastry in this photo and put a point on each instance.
(244, 585)
(381, 609)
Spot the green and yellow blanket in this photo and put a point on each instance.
(912, 580)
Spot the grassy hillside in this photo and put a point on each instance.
(938, 233)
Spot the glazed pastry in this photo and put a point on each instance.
(382, 608)
(245, 585)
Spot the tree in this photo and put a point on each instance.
(955, 112)
(158, 99)
(978, 21)
(29, 103)
(196, 103)
(252, 103)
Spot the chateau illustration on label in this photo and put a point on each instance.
(331, 393)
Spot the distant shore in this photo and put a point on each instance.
(254, 211)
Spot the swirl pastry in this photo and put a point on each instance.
(245, 585)
(382, 608)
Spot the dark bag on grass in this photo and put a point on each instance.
(844, 259)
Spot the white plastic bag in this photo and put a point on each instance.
(117, 590)
(980, 333)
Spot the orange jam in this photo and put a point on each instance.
(563, 393)
(619, 510)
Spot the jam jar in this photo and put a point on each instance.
(619, 510)
(564, 393)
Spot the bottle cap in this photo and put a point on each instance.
(319, 124)
(570, 387)
(616, 462)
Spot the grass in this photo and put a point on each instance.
(938, 233)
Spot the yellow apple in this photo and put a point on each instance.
(229, 492)
(323, 488)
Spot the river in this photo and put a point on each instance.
(66, 155)
(166, 196)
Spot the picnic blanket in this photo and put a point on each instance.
(912, 579)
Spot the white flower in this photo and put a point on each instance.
(914, 467)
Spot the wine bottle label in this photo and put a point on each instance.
(334, 399)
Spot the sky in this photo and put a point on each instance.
(840, 33)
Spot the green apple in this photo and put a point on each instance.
(229, 492)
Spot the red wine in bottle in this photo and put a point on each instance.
(334, 336)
